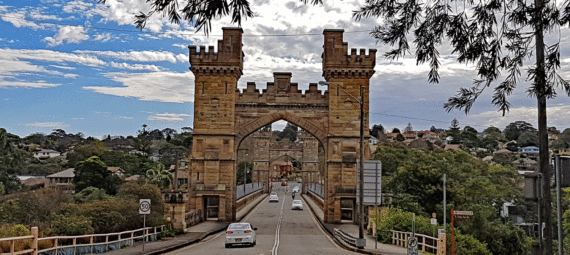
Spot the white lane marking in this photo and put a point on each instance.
(209, 239)
(276, 243)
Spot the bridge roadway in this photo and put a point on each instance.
(298, 232)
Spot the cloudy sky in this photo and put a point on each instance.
(84, 67)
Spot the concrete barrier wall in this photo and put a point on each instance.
(320, 202)
(240, 203)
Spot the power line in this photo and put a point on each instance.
(414, 118)
(169, 32)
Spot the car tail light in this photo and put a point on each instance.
(229, 232)
(248, 231)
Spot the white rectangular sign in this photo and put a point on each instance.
(144, 206)
(433, 221)
(467, 213)
(372, 182)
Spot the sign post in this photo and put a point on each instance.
(457, 216)
(144, 209)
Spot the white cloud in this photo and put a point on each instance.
(47, 125)
(26, 84)
(182, 46)
(135, 66)
(125, 117)
(557, 115)
(18, 19)
(71, 34)
(77, 7)
(140, 56)
(37, 15)
(14, 69)
(169, 87)
(104, 37)
(168, 116)
(50, 56)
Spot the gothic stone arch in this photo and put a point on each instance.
(224, 116)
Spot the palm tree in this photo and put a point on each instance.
(159, 176)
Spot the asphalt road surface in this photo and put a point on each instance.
(280, 230)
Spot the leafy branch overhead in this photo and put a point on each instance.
(496, 36)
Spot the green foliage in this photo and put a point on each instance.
(83, 152)
(34, 208)
(10, 212)
(528, 139)
(159, 176)
(11, 159)
(112, 215)
(241, 169)
(289, 133)
(93, 173)
(397, 219)
(90, 194)
(2, 189)
(12, 231)
(516, 129)
(71, 225)
(468, 245)
(131, 163)
(135, 192)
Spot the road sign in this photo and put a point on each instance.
(144, 206)
(466, 213)
(412, 245)
(434, 221)
(372, 182)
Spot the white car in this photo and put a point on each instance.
(297, 205)
(296, 189)
(240, 233)
(273, 198)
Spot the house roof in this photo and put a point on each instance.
(135, 177)
(35, 181)
(525, 161)
(67, 173)
(488, 158)
(452, 147)
(115, 169)
(503, 151)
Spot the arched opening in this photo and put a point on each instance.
(278, 152)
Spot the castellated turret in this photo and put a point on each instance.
(227, 61)
(337, 62)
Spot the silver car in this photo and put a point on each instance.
(273, 198)
(240, 233)
(297, 205)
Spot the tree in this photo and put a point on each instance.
(376, 130)
(527, 139)
(289, 132)
(159, 176)
(83, 152)
(515, 129)
(492, 131)
(143, 140)
(11, 158)
(93, 173)
(454, 125)
(409, 128)
(241, 170)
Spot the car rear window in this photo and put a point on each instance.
(297, 202)
(239, 226)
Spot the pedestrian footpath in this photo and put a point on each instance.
(352, 229)
(192, 234)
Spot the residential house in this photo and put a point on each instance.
(503, 153)
(452, 147)
(373, 140)
(37, 182)
(392, 136)
(117, 171)
(410, 135)
(525, 164)
(45, 154)
(62, 180)
(530, 151)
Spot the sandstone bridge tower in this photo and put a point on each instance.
(224, 116)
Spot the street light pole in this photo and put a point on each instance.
(361, 228)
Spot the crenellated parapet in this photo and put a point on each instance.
(338, 63)
(227, 61)
(281, 92)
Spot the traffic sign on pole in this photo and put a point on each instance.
(144, 206)
(412, 245)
